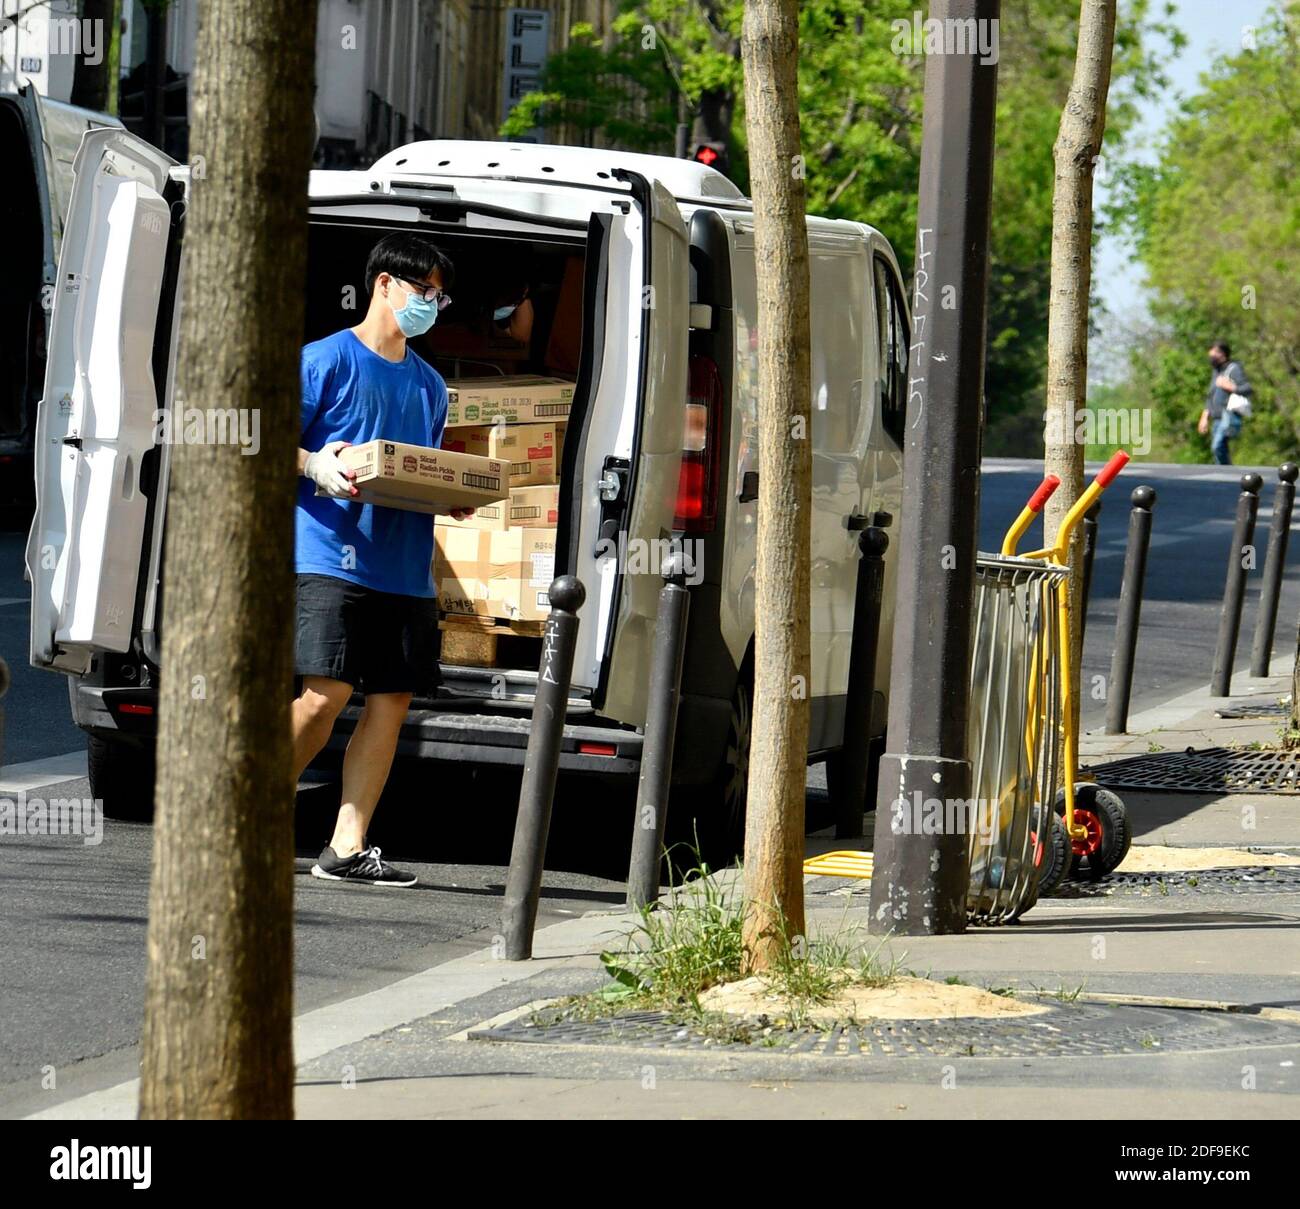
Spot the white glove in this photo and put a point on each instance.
(327, 472)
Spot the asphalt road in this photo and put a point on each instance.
(72, 933)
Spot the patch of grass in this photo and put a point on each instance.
(693, 940)
(1065, 995)
(1153, 747)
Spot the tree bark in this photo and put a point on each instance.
(94, 85)
(1078, 144)
(774, 830)
(218, 1001)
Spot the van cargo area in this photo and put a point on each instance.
(22, 327)
(482, 709)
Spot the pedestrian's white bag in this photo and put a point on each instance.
(1239, 405)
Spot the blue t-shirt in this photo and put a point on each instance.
(351, 393)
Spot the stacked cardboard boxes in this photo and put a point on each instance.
(500, 562)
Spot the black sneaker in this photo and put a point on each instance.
(366, 866)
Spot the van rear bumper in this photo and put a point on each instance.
(434, 734)
(443, 734)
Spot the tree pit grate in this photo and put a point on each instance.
(1212, 770)
(1066, 1030)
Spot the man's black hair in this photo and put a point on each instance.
(408, 257)
(1222, 347)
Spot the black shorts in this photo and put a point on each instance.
(375, 641)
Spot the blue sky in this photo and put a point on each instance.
(1212, 28)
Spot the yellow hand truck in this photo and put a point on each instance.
(1095, 821)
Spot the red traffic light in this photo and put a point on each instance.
(706, 155)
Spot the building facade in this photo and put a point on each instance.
(387, 71)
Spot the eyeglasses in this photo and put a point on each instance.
(430, 293)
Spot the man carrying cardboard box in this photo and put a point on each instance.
(367, 615)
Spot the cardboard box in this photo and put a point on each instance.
(460, 559)
(531, 449)
(535, 507)
(519, 399)
(416, 478)
(486, 516)
(519, 570)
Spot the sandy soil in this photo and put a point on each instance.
(905, 998)
(1156, 858)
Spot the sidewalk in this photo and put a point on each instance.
(1221, 944)
(1139, 1030)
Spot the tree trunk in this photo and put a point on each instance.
(1078, 144)
(218, 1000)
(774, 830)
(94, 85)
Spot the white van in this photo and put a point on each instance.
(664, 308)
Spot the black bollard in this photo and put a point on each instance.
(1234, 589)
(660, 730)
(855, 756)
(1089, 553)
(1130, 608)
(1274, 567)
(541, 764)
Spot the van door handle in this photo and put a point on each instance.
(749, 486)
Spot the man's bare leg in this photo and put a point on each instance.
(313, 715)
(365, 768)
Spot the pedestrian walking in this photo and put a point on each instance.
(1227, 402)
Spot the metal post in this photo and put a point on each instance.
(541, 764)
(855, 758)
(155, 75)
(1234, 588)
(1089, 553)
(1274, 567)
(920, 881)
(1130, 609)
(660, 730)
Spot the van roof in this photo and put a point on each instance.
(589, 167)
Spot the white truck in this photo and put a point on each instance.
(661, 443)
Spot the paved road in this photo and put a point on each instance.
(72, 934)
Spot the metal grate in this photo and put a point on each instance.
(1245, 879)
(1066, 1030)
(1214, 770)
(1264, 709)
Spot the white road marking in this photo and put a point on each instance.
(36, 774)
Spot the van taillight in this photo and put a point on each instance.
(697, 486)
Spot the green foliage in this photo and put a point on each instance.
(860, 103)
(1216, 225)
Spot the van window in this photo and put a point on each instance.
(892, 342)
(841, 332)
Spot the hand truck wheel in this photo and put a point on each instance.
(1103, 815)
(1054, 863)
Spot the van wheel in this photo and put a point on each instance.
(715, 835)
(121, 777)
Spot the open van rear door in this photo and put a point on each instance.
(626, 467)
(96, 420)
